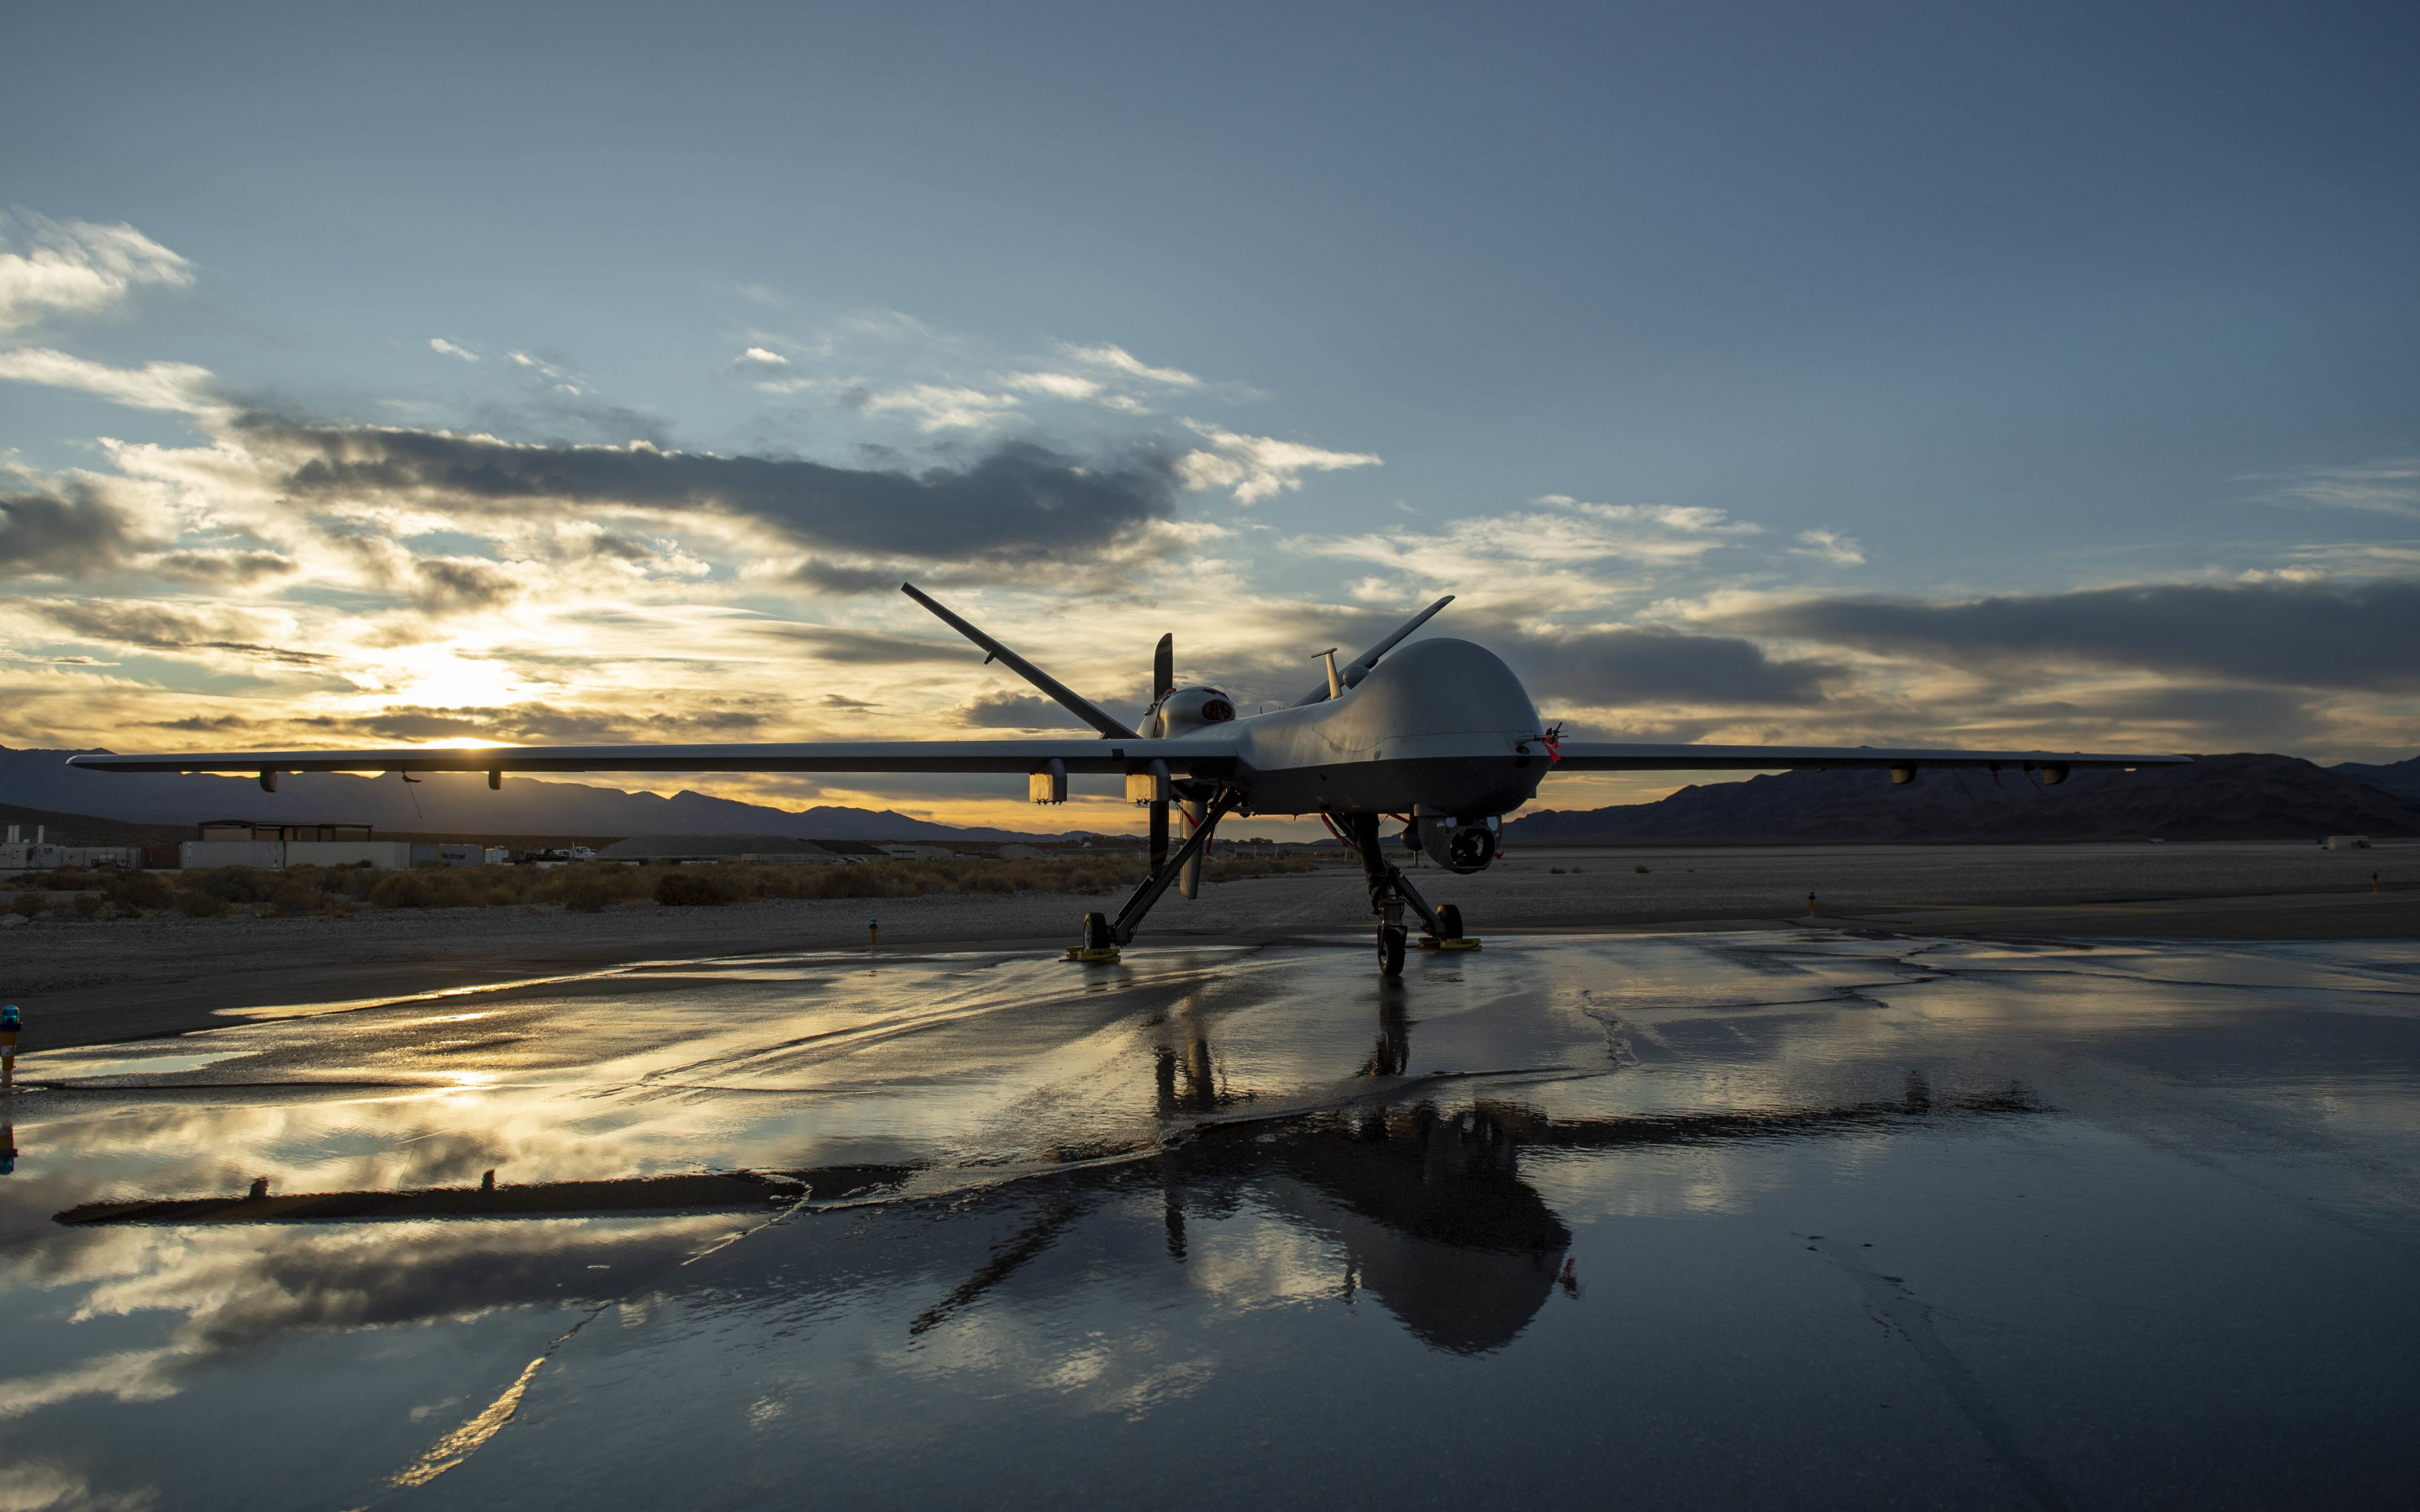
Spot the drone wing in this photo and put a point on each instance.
(1590, 756)
(1199, 758)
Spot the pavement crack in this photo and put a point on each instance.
(1888, 1298)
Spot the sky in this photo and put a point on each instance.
(2038, 377)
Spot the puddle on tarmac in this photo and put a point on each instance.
(1714, 1218)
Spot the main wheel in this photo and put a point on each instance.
(1448, 922)
(1390, 950)
(1096, 932)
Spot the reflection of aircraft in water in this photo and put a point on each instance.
(1440, 734)
(1425, 1203)
(1428, 1206)
(633, 1197)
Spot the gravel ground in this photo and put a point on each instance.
(83, 981)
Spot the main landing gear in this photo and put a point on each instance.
(1390, 893)
(1103, 937)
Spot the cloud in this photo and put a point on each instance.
(1625, 666)
(1829, 546)
(937, 407)
(440, 345)
(221, 565)
(45, 1486)
(840, 578)
(2387, 486)
(1559, 557)
(869, 647)
(2316, 634)
(1119, 359)
(76, 267)
(61, 534)
(561, 381)
(448, 584)
(508, 724)
(1057, 385)
(1018, 501)
(1257, 467)
(168, 627)
(1015, 711)
(180, 387)
(762, 356)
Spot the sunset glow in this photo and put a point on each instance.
(459, 488)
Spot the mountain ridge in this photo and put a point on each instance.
(2402, 777)
(444, 801)
(2243, 795)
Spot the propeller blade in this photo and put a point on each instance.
(1163, 667)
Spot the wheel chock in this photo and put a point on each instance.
(1104, 955)
(1430, 942)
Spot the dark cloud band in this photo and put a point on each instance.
(60, 534)
(1612, 669)
(1019, 499)
(2307, 635)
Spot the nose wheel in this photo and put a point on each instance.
(1392, 896)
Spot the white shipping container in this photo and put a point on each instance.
(268, 854)
(88, 856)
(386, 855)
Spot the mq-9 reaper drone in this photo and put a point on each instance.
(1438, 732)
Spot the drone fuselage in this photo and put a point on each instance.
(1441, 727)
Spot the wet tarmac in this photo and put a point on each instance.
(1800, 1217)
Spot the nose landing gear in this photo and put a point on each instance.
(1390, 950)
(1391, 894)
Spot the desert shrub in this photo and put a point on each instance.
(687, 889)
(877, 879)
(591, 886)
(443, 886)
(354, 882)
(1083, 874)
(136, 890)
(589, 895)
(913, 879)
(1258, 866)
(28, 904)
(195, 903)
(234, 884)
(292, 898)
(90, 903)
(75, 878)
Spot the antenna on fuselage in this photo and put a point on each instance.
(1359, 666)
(1067, 697)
